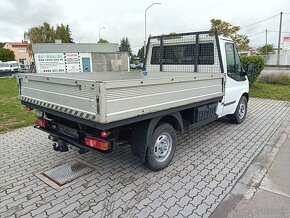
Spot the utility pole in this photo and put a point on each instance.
(266, 42)
(279, 39)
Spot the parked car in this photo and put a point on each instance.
(139, 66)
(5, 67)
(14, 66)
(133, 66)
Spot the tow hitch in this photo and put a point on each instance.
(60, 146)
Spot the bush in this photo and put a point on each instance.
(276, 78)
(6, 55)
(258, 65)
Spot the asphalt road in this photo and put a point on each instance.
(270, 70)
(5, 74)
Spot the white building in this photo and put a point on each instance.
(82, 57)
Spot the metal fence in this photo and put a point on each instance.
(271, 59)
(186, 52)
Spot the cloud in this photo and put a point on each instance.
(17, 16)
(126, 17)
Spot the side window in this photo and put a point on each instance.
(234, 68)
(155, 56)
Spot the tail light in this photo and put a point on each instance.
(28, 109)
(97, 143)
(41, 122)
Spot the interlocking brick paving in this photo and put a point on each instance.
(207, 164)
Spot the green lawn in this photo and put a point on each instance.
(12, 113)
(134, 71)
(270, 91)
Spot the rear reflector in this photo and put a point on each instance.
(41, 122)
(97, 143)
(104, 134)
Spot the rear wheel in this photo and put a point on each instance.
(161, 148)
(241, 111)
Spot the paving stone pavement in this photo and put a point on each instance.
(207, 164)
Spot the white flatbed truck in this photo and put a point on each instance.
(189, 80)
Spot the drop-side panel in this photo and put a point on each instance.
(78, 98)
(125, 102)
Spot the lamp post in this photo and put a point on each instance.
(100, 32)
(81, 38)
(156, 3)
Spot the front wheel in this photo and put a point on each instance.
(241, 111)
(162, 147)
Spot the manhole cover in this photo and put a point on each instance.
(67, 172)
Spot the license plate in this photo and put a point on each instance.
(68, 131)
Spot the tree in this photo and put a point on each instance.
(140, 54)
(63, 33)
(46, 33)
(101, 40)
(125, 46)
(228, 30)
(266, 49)
(41, 34)
(6, 55)
(2, 44)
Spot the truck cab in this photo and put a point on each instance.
(236, 82)
(216, 55)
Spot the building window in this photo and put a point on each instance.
(21, 50)
(22, 61)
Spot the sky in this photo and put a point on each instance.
(125, 18)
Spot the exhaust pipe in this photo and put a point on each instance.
(83, 151)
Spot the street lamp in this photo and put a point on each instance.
(156, 3)
(81, 38)
(100, 32)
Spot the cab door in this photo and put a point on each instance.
(236, 81)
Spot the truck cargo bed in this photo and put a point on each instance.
(112, 96)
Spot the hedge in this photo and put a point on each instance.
(258, 65)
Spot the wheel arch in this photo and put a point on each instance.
(142, 132)
(174, 120)
(246, 94)
(242, 93)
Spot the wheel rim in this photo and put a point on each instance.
(242, 110)
(162, 147)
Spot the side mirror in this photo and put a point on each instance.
(250, 69)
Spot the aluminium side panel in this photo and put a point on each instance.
(144, 97)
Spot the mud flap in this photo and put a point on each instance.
(139, 139)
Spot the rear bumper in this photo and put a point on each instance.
(79, 143)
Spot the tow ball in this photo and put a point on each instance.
(60, 146)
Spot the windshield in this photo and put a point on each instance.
(4, 65)
(14, 65)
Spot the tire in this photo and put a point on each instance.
(162, 147)
(241, 111)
